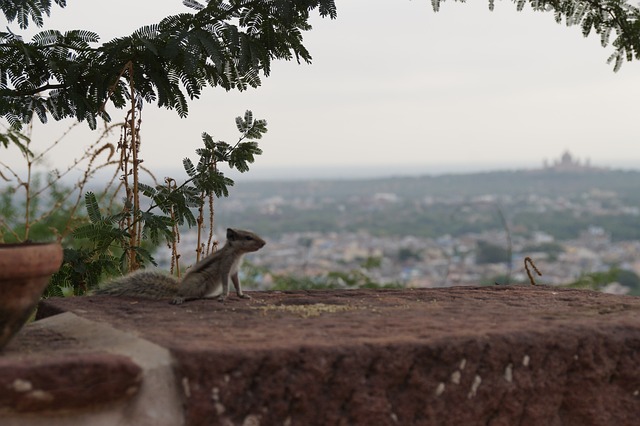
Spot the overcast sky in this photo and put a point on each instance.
(395, 88)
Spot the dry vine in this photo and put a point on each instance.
(129, 146)
(527, 261)
(89, 156)
(175, 255)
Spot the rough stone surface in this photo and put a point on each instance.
(46, 372)
(66, 370)
(454, 356)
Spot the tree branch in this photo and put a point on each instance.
(16, 93)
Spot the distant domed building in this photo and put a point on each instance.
(567, 163)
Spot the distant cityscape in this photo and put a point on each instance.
(570, 217)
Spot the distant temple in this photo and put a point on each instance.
(567, 163)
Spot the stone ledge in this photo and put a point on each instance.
(66, 383)
(68, 370)
(460, 356)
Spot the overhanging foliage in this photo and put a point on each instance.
(222, 43)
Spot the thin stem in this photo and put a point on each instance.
(211, 245)
(175, 230)
(135, 237)
(27, 187)
(200, 221)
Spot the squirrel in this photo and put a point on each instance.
(208, 278)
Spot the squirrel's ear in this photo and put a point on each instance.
(231, 234)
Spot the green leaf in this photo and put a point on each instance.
(243, 155)
(147, 190)
(242, 128)
(16, 138)
(248, 119)
(93, 210)
(189, 167)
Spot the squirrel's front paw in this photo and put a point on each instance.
(221, 299)
(244, 296)
(177, 301)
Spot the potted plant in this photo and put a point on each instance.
(25, 269)
(25, 265)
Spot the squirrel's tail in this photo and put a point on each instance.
(146, 284)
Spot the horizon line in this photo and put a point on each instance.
(358, 171)
(260, 172)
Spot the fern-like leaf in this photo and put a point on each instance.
(189, 167)
(93, 210)
(147, 190)
(193, 4)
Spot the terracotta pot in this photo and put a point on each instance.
(25, 270)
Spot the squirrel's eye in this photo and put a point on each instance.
(248, 238)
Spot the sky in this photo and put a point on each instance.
(396, 89)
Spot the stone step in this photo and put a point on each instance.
(69, 370)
